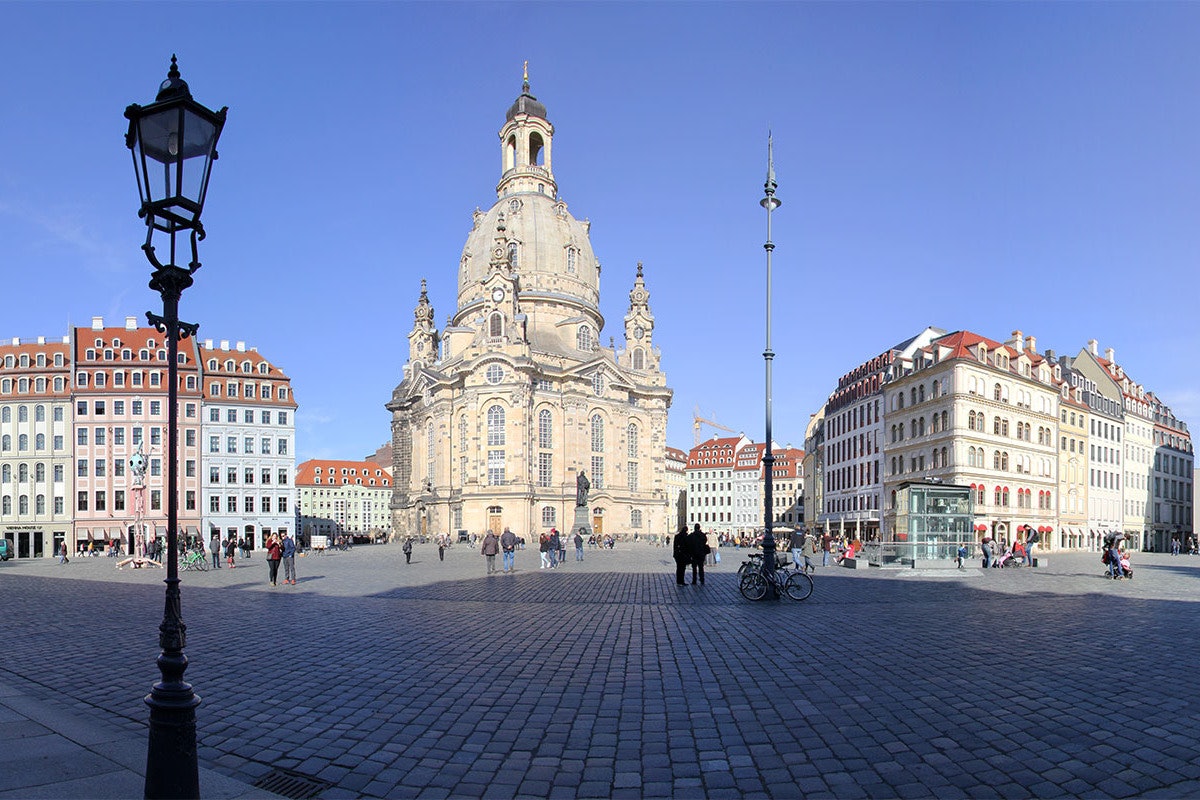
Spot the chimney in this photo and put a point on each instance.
(241, 347)
(1110, 355)
(41, 340)
(1032, 343)
(1092, 347)
(1051, 357)
(1017, 341)
(16, 340)
(208, 344)
(131, 323)
(97, 323)
(224, 344)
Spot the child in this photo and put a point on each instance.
(962, 555)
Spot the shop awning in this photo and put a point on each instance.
(192, 530)
(160, 530)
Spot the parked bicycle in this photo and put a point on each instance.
(193, 560)
(755, 585)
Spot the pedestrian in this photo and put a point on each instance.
(962, 555)
(810, 553)
(681, 551)
(699, 546)
(553, 548)
(1032, 538)
(508, 544)
(441, 541)
(230, 551)
(544, 550)
(578, 545)
(289, 559)
(562, 549)
(62, 554)
(986, 545)
(826, 541)
(797, 544)
(407, 548)
(214, 546)
(274, 555)
(491, 546)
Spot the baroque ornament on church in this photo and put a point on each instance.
(500, 411)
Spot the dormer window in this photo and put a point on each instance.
(212, 364)
(263, 368)
(89, 355)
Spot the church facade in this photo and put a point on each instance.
(499, 412)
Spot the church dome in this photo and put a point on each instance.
(547, 248)
(526, 104)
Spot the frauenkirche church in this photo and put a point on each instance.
(499, 411)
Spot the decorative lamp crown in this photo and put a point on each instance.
(174, 142)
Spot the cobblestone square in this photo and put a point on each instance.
(373, 678)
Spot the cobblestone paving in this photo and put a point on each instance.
(604, 679)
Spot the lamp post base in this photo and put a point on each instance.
(171, 761)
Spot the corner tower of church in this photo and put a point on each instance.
(498, 413)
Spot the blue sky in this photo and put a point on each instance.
(993, 167)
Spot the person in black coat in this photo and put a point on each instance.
(699, 547)
(682, 552)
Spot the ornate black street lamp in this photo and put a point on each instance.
(770, 203)
(174, 143)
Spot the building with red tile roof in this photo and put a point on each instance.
(344, 498)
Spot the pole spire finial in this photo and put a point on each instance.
(525, 77)
(770, 201)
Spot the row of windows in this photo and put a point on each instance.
(39, 413)
(248, 474)
(11, 361)
(264, 445)
(247, 504)
(266, 391)
(39, 504)
(39, 442)
(99, 380)
(144, 354)
(39, 385)
(231, 415)
(39, 473)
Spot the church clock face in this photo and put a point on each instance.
(639, 332)
(497, 294)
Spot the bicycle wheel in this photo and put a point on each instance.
(203, 564)
(799, 586)
(753, 586)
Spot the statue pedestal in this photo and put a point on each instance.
(582, 524)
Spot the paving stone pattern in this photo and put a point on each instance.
(374, 678)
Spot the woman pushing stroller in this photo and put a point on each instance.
(1115, 559)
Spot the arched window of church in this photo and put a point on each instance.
(583, 338)
(496, 325)
(572, 254)
(462, 431)
(631, 437)
(429, 452)
(597, 434)
(545, 429)
(639, 358)
(495, 426)
(513, 257)
(598, 383)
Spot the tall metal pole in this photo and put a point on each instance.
(770, 203)
(172, 768)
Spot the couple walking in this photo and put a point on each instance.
(690, 548)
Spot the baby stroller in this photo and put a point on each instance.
(1007, 560)
(1115, 561)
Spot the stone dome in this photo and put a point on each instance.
(554, 260)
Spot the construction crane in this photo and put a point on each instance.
(698, 420)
